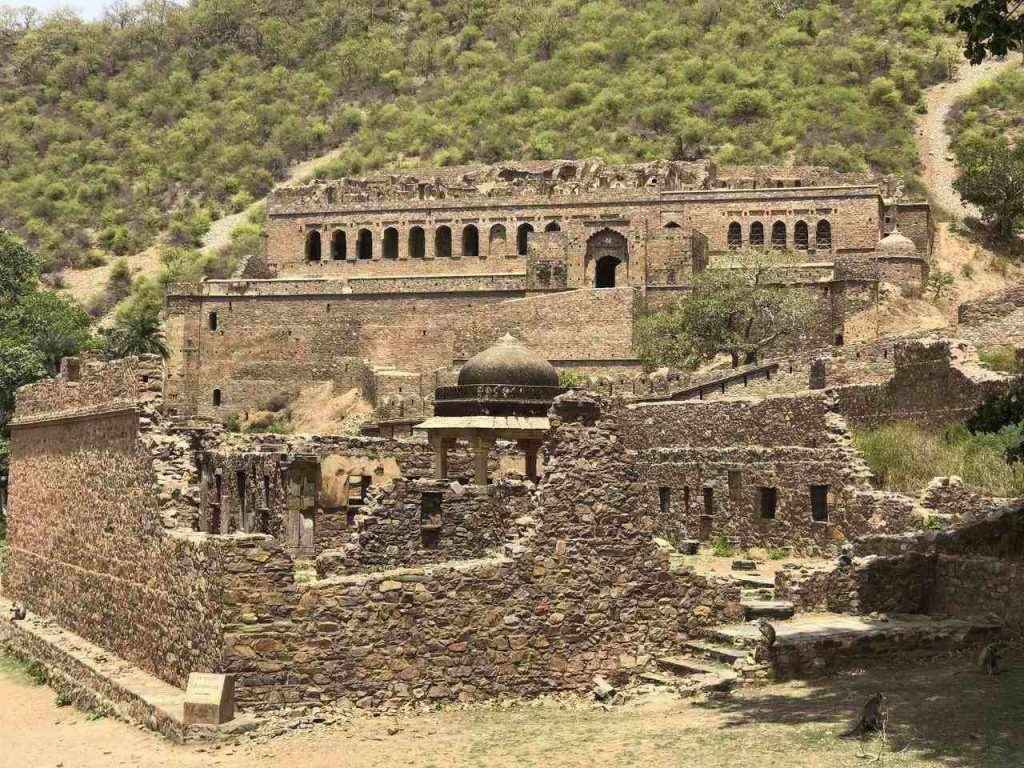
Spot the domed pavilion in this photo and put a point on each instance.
(504, 393)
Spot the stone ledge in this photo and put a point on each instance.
(107, 682)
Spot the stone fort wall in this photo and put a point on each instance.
(87, 546)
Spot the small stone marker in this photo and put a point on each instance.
(209, 699)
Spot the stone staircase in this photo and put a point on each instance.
(716, 663)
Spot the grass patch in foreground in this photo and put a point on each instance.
(905, 457)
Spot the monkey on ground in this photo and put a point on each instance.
(872, 718)
(766, 648)
(990, 659)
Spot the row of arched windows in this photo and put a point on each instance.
(416, 240)
(779, 235)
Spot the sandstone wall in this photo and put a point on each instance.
(87, 546)
(930, 387)
(750, 471)
(583, 591)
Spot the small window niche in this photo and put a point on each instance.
(735, 483)
(430, 519)
(665, 500)
(709, 501)
(686, 499)
(216, 398)
(819, 503)
(213, 321)
(768, 502)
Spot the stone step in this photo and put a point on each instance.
(757, 594)
(753, 580)
(744, 565)
(657, 678)
(767, 609)
(726, 654)
(687, 665)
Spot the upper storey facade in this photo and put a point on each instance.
(572, 224)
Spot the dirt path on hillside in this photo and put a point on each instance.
(219, 233)
(933, 141)
(84, 284)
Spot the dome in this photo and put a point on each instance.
(896, 243)
(508, 362)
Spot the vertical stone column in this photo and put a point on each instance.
(440, 445)
(481, 454)
(531, 448)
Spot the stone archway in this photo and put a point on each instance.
(607, 259)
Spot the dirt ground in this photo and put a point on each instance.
(940, 715)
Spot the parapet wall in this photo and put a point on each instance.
(936, 382)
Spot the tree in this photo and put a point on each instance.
(939, 282)
(990, 27)
(737, 310)
(19, 268)
(136, 331)
(1000, 411)
(992, 178)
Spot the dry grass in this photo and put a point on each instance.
(905, 457)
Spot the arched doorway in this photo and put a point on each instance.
(607, 251)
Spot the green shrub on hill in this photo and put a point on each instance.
(157, 120)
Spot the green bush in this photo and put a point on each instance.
(906, 457)
(722, 548)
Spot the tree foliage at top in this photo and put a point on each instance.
(738, 310)
(990, 27)
(160, 118)
(992, 178)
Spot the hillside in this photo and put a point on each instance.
(159, 121)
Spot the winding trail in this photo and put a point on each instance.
(933, 141)
(84, 284)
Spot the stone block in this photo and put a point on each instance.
(209, 699)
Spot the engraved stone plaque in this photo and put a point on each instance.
(209, 699)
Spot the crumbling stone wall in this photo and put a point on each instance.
(428, 521)
(972, 571)
(581, 590)
(710, 464)
(935, 382)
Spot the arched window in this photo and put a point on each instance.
(213, 321)
(757, 233)
(734, 238)
(522, 238)
(470, 242)
(313, 248)
(339, 247)
(800, 236)
(417, 243)
(443, 242)
(779, 234)
(216, 397)
(390, 243)
(497, 239)
(553, 227)
(823, 234)
(364, 245)
(671, 225)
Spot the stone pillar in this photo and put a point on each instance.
(531, 448)
(817, 377)
(481, 454)
(440, 445)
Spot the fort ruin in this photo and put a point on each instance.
(520, 537)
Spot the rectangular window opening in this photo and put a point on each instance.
(819, 503)
(430, 519)
(709, 501)
(665, 500)
(769, 501)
